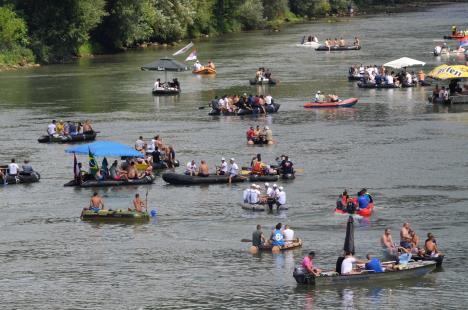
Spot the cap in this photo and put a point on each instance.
(274, 185)
(266, 127)
(232, 158)
(280, 188)
(318, 91)
(257, 186)
(222, 158)
(267, 184)
(245, 94)
(253, 185)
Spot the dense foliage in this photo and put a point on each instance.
(54, 31)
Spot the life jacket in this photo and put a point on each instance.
(278, 238)
(257, 168)
(350, 206)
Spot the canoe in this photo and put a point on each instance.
(263, 81)
(114, 216)
(183, 179)
(355, 77)
(411, 270)
(364, 212)
(21, 178)
(166, 91)
(89, 136)
(337, 48)
(205, 70)
(273, 108)
(373, 85)
(149, 179)
(339, 104)
(297, 243)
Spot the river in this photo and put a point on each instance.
(410, 155)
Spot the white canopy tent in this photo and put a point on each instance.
(403, 63)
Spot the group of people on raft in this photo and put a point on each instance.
(259, 136)
(262, 74)
(257, 104)
(351, 205)
(13, 169)
(155, 151)
(283, 166)
(321, 98)
(68, 128)
(197, 66)
(96, 203)
(279, 236)
(329, 42)
(442, 94)
(158, 85)
(270, 195)
(381, 76)
(231, 169)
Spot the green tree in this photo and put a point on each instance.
(203, 20)
(274, 9)
(173, 18)
(250, 14)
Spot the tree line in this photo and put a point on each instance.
(49, 31)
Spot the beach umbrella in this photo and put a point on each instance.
(446, 72)
(105, 148)
(165, 64)
(349, 239)
(403, 63)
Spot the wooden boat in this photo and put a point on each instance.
(346, 103)
(205, 70)
(297, 243)
(263, 81)
(149, 179)
(20, 178)
(409, 271)
(338, 48)
(169, 91)
(273, 108)
(81, 137)
(118, 215)
(373, 85)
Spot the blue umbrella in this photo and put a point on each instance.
(105, 148)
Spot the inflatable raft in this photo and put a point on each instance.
(114, 216)
(373, 85)
(297, 243)
(93, 183)
(90, 136)
(337, 48)
(288, 176)
(183, 179)
(253, 207)
(205, 70)
(21, 178)
(339, 104)
(273, 108)
(310, 44)
(263, 178)
(355, 77)
(166, 91)
(263, 81)
(367, 212)
(458, 36)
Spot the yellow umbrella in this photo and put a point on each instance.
(446, 72)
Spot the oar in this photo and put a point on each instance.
(246, 240)
(201, 108)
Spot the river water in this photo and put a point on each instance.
(410, 155)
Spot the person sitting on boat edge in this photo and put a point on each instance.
(387, 244)
(197, 65)
(211, 65)
(87, 128)
(268, 134)
(51, 128)
(347, 265)
(233, 169)
(287, 167)
(250, 134)
(13, 168)
(342, 201)
(405, 238)
(26, 168)
(258, 238)
(281, 197)
(364, 199)
(140, 145)
(288, 235)
(251, 195)
(191, 168)
(277, 237)
(138, 204)
(430, 246)
(223, 168)
(308, 264)
(203, 170)
(373, 264)
(96, 203)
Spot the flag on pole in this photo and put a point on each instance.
(183, 50)
(76, 170)
(93, 165)
(192, 56)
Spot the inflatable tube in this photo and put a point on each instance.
(288, 176)
(205, 70)
(339, 104)
(367, 211)
(68, 139)
(263, 178)
(273, 108)
(182, 179)
(253, 207)
(163, 165)
(370, 85)
(355, 77)
(337, 48)
(263, 81)
(21, 178)
(149, 179)
(166, 91)
(118, 215)
(404, 85)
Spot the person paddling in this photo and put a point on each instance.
(308, 264)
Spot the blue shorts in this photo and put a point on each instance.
(94, 209)
(405, 244)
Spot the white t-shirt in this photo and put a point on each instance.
(140, 144)
(191, 168)
(51, 129)
(269, 192)
(389, 79)
(438, 49)
(409, 80)
(251, 196)
(156, 84)
(347, 265)
(13, 168)
(282, 197)
(288, 234)
(233, 170)
(268, 99)
(221, 103)
(197, 66)
(224, 167)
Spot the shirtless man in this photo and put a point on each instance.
(431, 246)
(203, 170)
(138, 204)
(132, 172)
(405, 238)
(387, 242)
(96, 202)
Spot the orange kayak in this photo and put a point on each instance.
(338, 104)
(205, 70)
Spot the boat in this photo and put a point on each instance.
(297, 243)
(409, 271)
(149, 179)
(457, 36)
(373, 85)
(355, 77)
(118, 215)
(253, 207)
(166, 91)
(263, 81)
(263, 178)
(21, 178)
(273, 108)
(89, 136)
(204, 71)
(439, 259)
(311, 44)
(338, 48)
(346, 103)
(288, 176)
(183, 179)
(161, 165)
(367, 212)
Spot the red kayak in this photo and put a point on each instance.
(363, 212)
(338, 104)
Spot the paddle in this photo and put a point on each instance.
(201, 108)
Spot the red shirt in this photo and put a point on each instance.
(250, 134)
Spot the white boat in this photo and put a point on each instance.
(309, 44)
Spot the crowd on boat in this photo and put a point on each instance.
(231, 104)
(283, 166)
(231, 169)
(381, 76)
(270, 195)
(96, 203)
(280, 236)
(329, 42)
(321, 98)
(442, 94)
(156, 151)
(68, 128)
(197, 66)
(259, 136)
(14, 170)
(351, 205)
(158, 85)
